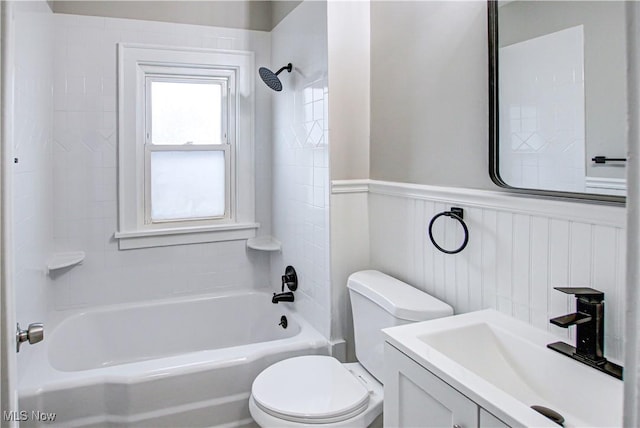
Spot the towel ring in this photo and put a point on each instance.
(456, 214)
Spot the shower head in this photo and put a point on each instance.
(271, 78)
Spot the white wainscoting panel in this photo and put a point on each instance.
(519, 249)
(349, 254)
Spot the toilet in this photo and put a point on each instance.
(320, 391)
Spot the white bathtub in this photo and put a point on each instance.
(184, 362)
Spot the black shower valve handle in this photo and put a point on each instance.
(290, 279)
(291, 283)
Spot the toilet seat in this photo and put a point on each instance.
(311, 389)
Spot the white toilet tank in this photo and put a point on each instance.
(379, 301)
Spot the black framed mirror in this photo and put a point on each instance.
(557, 98)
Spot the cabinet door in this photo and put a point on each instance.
(487, 420)
(414, 397)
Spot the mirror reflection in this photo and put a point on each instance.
(562, 87)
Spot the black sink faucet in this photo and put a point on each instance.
(589, 322)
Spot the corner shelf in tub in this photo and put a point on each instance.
(63, 260)
(264, 243)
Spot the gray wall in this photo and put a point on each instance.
(604, 65)
(429, 93)
(280, 9)
(249, 15)
(632, 291)
(349, 86)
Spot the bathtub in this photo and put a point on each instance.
(184, 362)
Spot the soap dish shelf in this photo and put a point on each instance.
(64, 260)
(264, 243)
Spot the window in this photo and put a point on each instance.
(186, 148)
(185, 144)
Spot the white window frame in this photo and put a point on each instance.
(138, 66)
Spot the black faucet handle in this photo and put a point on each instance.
(290, 279)
(585, 292)
(566, 321)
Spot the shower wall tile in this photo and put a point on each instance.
(85, 175)
(300, 167)
(543, 143)
(30, 188)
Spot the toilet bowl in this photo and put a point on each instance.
(315, 390)
(320, 391)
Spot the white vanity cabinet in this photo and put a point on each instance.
(487, 420)
(415, 397)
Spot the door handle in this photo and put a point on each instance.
(34, 334)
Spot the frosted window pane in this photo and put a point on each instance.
(186, 113)
(187, 184)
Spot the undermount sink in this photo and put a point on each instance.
(503, 364)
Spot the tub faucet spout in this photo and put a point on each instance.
(282, 297)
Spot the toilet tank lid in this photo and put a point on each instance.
(396, 297)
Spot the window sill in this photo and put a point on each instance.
(185, 235)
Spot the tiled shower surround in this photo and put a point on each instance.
(84, 173)
(31, 168)
(295, 194)
(300, 159)
(540, 149)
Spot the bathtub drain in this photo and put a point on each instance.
(283, 322)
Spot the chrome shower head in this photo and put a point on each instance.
(271, 78)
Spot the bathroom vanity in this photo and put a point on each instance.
(485, 369)
(416, 397)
